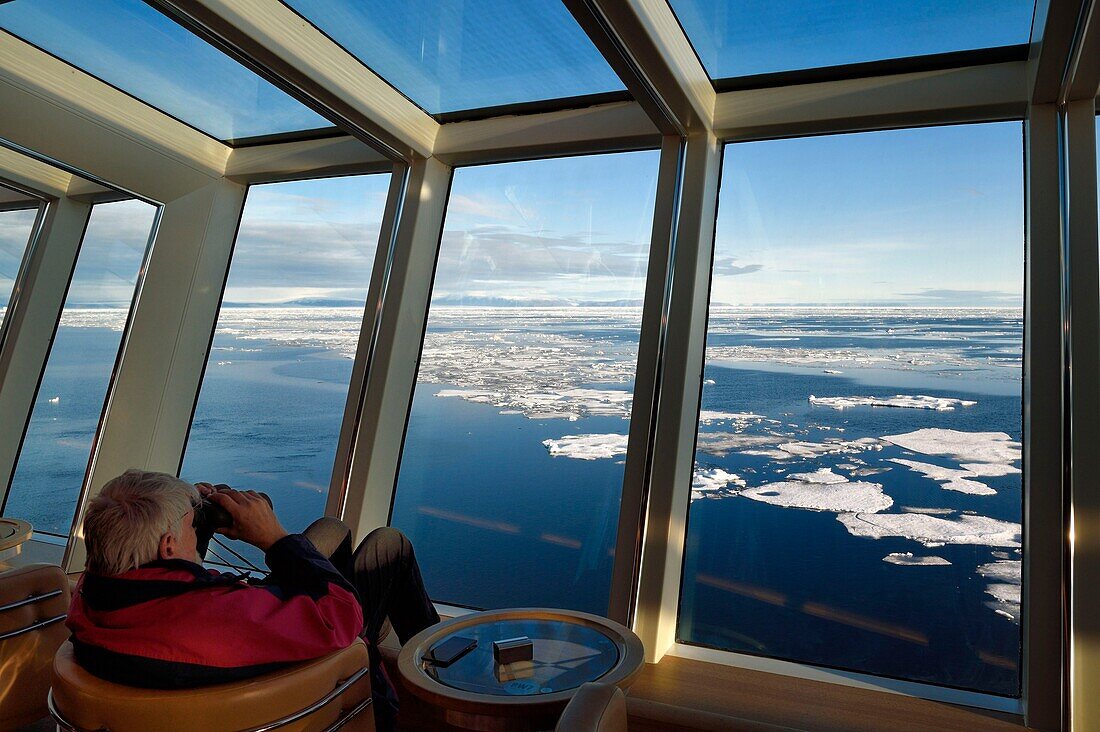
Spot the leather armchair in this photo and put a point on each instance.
(595, 708)
(327, 693)
(34, 601)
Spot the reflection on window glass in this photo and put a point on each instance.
(513, 460)
(454, 56)
(758, 37)
(67, 409)
(15, 233)
(130, 45)
(272, 401)
(857, 499)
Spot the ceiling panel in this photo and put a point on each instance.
(135, 48)
(454, 55)
(749, 37)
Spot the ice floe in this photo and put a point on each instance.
(966, 447)
(907, 559)
(950, 478)
(587, 447)
(722, 443)
(822, 490)
(714, 483)
(1004, 587)
(708, 416)
(932, 530)
(902, 401)
(832, 446)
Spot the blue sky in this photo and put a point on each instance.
(15, 230)
(930, 216)
(743, 37)
(308, 239)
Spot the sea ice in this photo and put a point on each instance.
(722, 443)
(969, 447)
(708, 416)
(833, 446)
(933, 531)
(54, 400)
(714, 483)
(587, 447)
(908, 560)
(904, 401)
(952, 480)
(822, 490)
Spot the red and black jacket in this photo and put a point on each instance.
(172, 624)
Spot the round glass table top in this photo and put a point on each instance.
(565, 655)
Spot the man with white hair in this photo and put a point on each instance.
(147, 613)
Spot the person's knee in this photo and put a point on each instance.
(326, 534)
(390, 541)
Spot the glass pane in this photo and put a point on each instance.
(131, 46)
(513, 461)
(67, 410)
(272, 401)
(453, 55)
(862, 392)
(16, 228)
(759, 37)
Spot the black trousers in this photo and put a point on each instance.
(384, 572)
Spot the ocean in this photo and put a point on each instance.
(856, 501)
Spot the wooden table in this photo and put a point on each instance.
(570, 648)
(13, 533)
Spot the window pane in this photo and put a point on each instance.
(450, 56)
(69, 404)
(16, 228)
(857, 493)
(513, 461)
(131, 46)
(272, 401)
(758, 37)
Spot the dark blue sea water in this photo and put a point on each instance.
(497, 521)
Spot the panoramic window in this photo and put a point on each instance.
(134, 47)
(757, 37)
(16, 227)
(512, 468)
(58, 442)
(448, 57)
(862, 392)
(272, 401)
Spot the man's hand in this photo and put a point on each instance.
(254, 521)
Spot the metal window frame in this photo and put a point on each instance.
(642, 41)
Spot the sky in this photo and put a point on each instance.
(308, 240)
(15, 231)
(920, 217)
(111, 254)
(763, 36)
(931, 216)
(132, 46)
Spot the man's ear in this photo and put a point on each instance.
(168, 548)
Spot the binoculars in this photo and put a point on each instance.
(209, 517)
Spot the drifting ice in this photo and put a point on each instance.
(931, 530)
(940, 404)
(587, 447)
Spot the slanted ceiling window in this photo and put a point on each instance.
(131, 46)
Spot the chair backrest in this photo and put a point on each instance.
(309, 696)
(34, 601)
(595, 708)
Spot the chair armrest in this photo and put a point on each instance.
(595, 708)
(308, 696)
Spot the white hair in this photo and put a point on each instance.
(125, 522)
